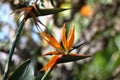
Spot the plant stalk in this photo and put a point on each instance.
(46, 74)
(7, 67)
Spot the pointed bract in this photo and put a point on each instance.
(49, 11)
(72, 57)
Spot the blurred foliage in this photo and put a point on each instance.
(101, 30)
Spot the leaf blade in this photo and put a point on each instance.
(24, 72)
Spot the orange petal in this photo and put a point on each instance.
(52, 53)
(51, 40)
(70, 39)
(64, 41)
(51, 63)
(23, 9)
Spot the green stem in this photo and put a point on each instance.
(46, 74)
(7, 67)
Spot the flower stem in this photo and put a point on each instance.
(46, 74)
(7, 67)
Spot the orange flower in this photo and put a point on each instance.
(29, 11)
(33, 11)
(86, 11)
(61, 54)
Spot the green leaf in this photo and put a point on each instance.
(24, 72)
(72, 57)
(117, 41)
(43, 12)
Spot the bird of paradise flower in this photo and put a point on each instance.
(33, 11)
(61, 54)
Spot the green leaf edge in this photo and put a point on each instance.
(25, 63)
